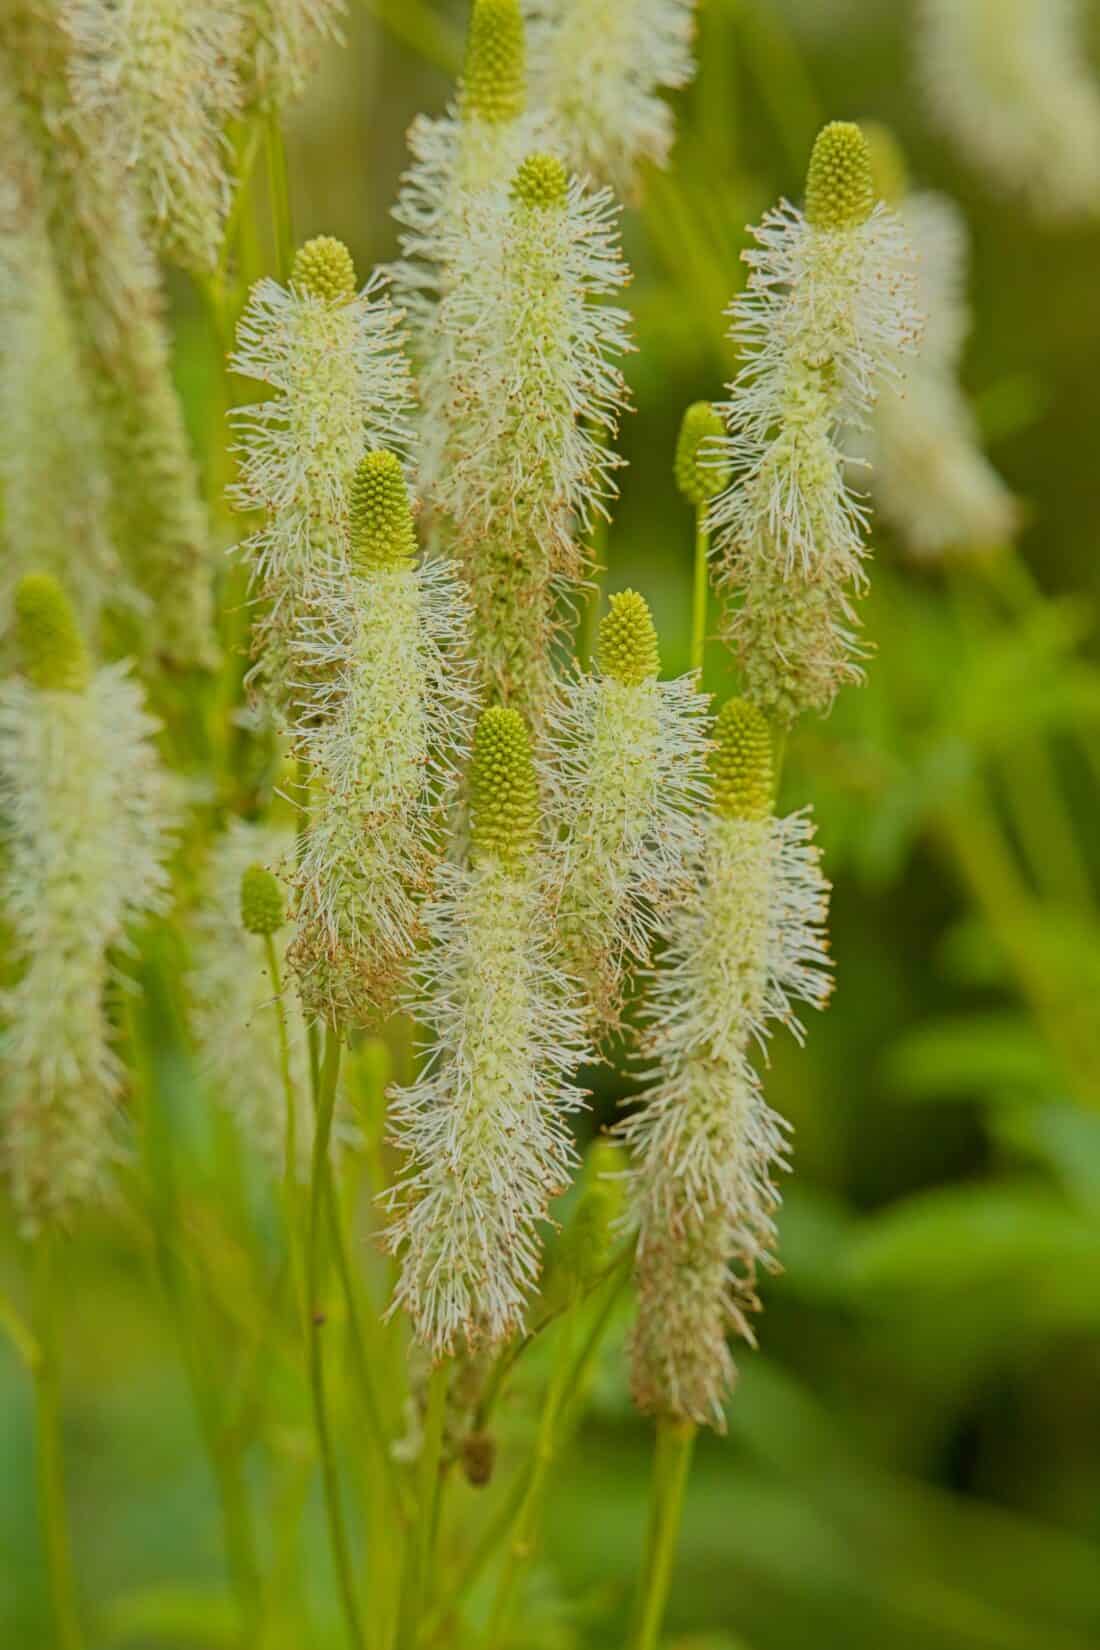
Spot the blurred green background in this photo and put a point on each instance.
(914, 1454)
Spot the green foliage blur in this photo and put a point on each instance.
(913, 1455)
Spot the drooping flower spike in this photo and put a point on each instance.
(624, 771)
(485, 1129)
(745, 947)
(827, 316)
(85, 827)
(391, 721)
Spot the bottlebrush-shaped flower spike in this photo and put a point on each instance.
(282, 42)
(485, 1128)
(334, 357)
(827, 315)
(625, 773)
(523, 463)
(84, 820)
(745, 947)
(598, 68)
(391, 723)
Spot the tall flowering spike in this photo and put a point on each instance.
(485, 1128)
(625, 776)
(391, 707)
(1013, 86)
(282, 40)
(827, 316)
(598, 67)
(84, 833)
(521, 463)
(494, 85)
(700, 468)
(156, 82)
(335, 359)
(741, 951)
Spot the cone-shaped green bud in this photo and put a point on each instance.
(51, 649)
(495, 75)
(889, 171)
(263, 909)
(382, 531)
(742, 762)
(628, 640)
(700, 469)
(839, 191)
(541, 182)
(504, 801)
(323, 268)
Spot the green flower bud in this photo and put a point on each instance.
(51, 650)
(504, 803)
(628, 649)
(742, 762)
(323, 268)
(540, 182)
(839, 190)
(889, 171)
(700, 469)
(495, 75)
(263, 909)
(382, 532)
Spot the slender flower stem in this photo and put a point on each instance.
(675, 1440)
(418, 1561)
(326, 1101)
(290, 1137)
(701, 592)
(51, 1473)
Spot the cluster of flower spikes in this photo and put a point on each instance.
(826, 319)
(86, 829)
(624, 775)
(742, 948)
(485, 1128)
(390, 718)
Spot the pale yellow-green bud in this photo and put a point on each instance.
(839, 190)
(51, 650)
(540, 182)
(701, 471)
(628, 649)
(742, 762)
(323, 268)
(495, 74)
(382, 531)
(263, 909)
(889, 170)
(504, 803)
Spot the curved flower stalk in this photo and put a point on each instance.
(391, 725)
(334, 357)
(156, 82)
(828, 312)
(929, 476)
(536, 398)
(598, 68)
(86, 833)
(743, 950)
(1010, 81)
(485, 1127)
(282, 41)
(624, 772)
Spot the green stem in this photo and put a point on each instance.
(326, 1101)
(672, 1460)
(290, 1136)
(51, 1472)
(416, 1584)
(279, 186)
(701, 592)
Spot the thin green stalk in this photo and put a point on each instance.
(418, 1564)
(290, 1135)
(701, 592)
(53, 1513)
(672, 1461)
(326, 1101)
(279, 187)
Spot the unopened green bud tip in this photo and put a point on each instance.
(540, 182)
(495, 75)
(839, 190)
(382, 531)
(323, 268)
(628, 649)
(701, 469)
(263, 909)
(742, 762)
(504, 806)
(51, 649)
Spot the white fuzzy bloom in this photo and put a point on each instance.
(929, 476)
(1010, 81)
(597, 68)
(157, 81)
(282, 41)
(85, 819)
(742, 951)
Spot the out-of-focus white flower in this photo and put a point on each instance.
(828, 313)
(597, 68)
(282, 39)
(485, 1128)
(742, 950)
(1010, 81)
(624, 772)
